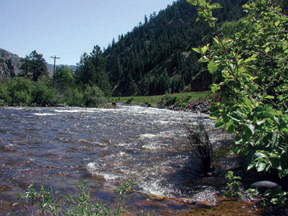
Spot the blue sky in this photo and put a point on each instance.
(68, 28)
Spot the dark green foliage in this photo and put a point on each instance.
(34, 88)
(156, 56)
(93, 96)
(250, 67)
(19, 90)
(63, 78)
(34, 66)
(233, 183)
(43, 94)
(92, 71)
(24, 92)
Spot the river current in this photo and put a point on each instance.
(58, 147)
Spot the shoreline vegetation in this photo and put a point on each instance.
(186, 101)
(42, 94)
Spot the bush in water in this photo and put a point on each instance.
(201, 146)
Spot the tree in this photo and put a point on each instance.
(34, 66)
(101, 77)
(63, 78)
(92, 71)
(85, 73)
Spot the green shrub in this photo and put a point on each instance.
(250, 67)
(42, 95)
(5, 97)
(20, 91)
(93, 97)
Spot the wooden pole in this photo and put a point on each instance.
(54, 57)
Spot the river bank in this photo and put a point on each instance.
(190, 102)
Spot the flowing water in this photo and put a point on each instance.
(58, 147)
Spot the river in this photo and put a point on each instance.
(57, 147)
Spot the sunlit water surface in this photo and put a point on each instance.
(58, 147)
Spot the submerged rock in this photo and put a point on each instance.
(264, 185)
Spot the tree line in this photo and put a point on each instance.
(33, 87)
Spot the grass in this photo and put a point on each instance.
(157, 100)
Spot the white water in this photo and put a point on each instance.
(58, 146)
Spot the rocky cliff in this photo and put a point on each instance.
(9, 64)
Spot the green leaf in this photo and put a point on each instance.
(251, 165)
(260, 155)
(285, 132)
(212, 67)
(269, 97)
(248, 103)
(219, 124)
(261, 167)
(214, 6)
(204, 49)
(252, 58)
(230, 127)
(198, 50)
(238, 140)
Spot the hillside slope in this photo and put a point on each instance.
(156, 57)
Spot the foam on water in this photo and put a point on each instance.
(208, 196)
(95, 170)
(144, 136)
(44, 114)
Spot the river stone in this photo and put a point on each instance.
(263, 185)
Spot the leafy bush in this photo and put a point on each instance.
(4, 94)
(19, 91)
(42, 95)
(233, 183)
(93, 96)
(251, 69)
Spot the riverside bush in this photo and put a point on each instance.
(93, 96)
(21, 91)
(250, 69)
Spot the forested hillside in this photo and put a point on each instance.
(154, 58)
(157, 57)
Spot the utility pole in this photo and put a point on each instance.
(54, 57)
